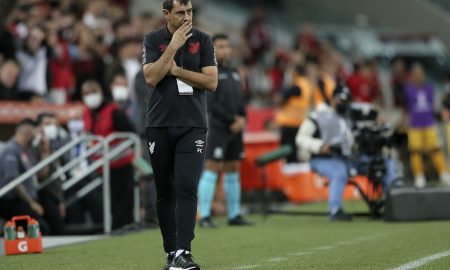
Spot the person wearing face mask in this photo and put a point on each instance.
(91, 203)
(120, 92)
(325, 139)
(102, 118)
(15, 159)
(52, 196)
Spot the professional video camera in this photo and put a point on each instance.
(371, 138)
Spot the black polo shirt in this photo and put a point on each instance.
(166, 108)
(227, 101)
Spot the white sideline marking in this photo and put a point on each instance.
(324, 248)
(423, 261)
(300, 253)
(278, 259)
(344, 243)
(246, 267)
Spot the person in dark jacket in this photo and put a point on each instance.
(224, 148)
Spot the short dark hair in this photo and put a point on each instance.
(219, 36)
(40, 118)
(25, 122)
(168, 4)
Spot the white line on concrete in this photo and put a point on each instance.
(245, 267)
(278, 259)
(423, 261)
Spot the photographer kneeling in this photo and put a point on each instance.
(326, 139)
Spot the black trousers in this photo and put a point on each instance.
(51, 212)
(288, 135)
(122, 182)
(177, 155)
(16, 207)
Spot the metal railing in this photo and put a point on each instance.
(105, 153)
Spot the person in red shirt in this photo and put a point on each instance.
(102, 118)
(363, 84)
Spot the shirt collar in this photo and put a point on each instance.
(166, 33)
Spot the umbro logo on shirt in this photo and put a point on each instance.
(199, 144)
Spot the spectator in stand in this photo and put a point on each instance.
(128, 53)
(423, 136)
(257, 35)
(321, 83)
(93, 16)
(398, 81)
(123, 29)
(307, 41)
(90, 205)
(102, 118)
(7, 46)
(9, 73)
(276, 73)
(120, 92)
(335, 66)
(310, 90)
(33, 61)
(87, 57)
(375, 81)
(363, 84)
(143, 23)
(62, 81)
(15, 159)
(51, 196)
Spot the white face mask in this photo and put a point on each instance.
(50, 131)
(93, 101)
(120, 93)
(76, 125)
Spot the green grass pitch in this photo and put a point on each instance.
(280, 242)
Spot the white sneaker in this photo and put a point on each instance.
(445, 179)
(420, 181)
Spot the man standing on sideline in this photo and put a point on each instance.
(179, 65)
(226, 117)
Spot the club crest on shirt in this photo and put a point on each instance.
(151, 147)
(194, 47)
